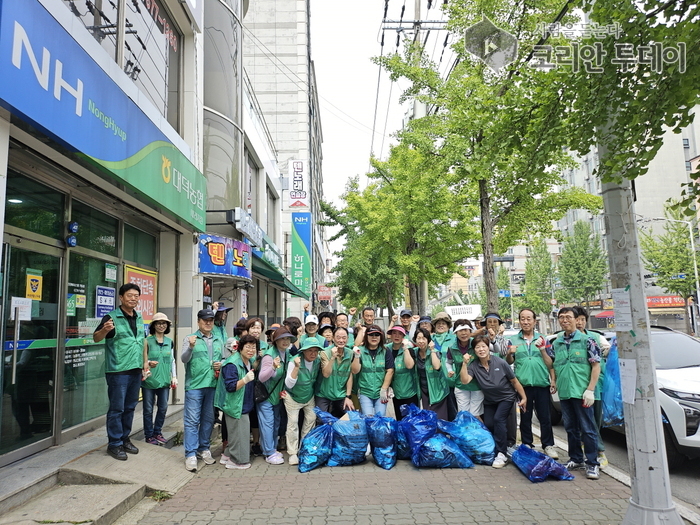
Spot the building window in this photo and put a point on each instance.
(686, 143)
(33, 206)
(688, 166)
(97, 231)
(139, 247)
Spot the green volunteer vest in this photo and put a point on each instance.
(124, 351)
(457, 363)
(351, 340)
(371, 375)
(571, 366)
(603, 364)
(306, 380)
(437, 379)
(275, 384)
(444, 341)
(160, 375)
(198, 371)
(404, 382)
(231, 402)
(334, 386)
(530, 368)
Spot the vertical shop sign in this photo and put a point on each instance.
(104, 300)
(35, 282)
(299, 189)
(301, 251)
(147, 282)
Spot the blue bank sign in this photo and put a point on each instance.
(49, 80)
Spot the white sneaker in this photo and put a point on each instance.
(500, 461)
(191, 463)
(293, 459)
(224, 459)
(551, 452)
(237, 466)
(207, 457)
(275, 459)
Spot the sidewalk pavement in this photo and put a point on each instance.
(366, 494)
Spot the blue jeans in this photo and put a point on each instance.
(371, 407)
(269, 424)
(123, 394)
(579, 423)
(198, 419)
(149, 397)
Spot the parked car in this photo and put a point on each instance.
(677, 359)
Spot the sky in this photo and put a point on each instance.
(344, 38)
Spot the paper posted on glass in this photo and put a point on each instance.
(628, 379)
(25, 308)
(622, 307)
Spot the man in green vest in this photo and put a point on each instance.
(201, 354)
(576, 361)
(123, 332)
(302, 372)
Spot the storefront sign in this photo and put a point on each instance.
(104, 300)
(248, 227)
(324, 293)
(35, 282)
(52, 82)
(665, 301)
(147, 282)
(221, 255)
(110, 273)
(299, 189)
(301, 251)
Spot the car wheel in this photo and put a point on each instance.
(554, 414)
(675, 458)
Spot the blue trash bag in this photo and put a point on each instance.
(537, 466)
(324, 417)
(418, 425)
(440, 452)
(471, 436)
(403, 449)
(382, 440)
(349, 441)
(613, 414)
(316, 447)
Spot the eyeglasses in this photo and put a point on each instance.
(374, 335)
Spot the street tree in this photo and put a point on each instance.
(583, 265)
(670, 258)
(498, 135)
(540, 277)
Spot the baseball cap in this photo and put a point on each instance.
(206, 313)
(374, 330)
(425, 319)
(272, 328)
(223, 308)
(311, 319)
(405, 313)
(399, 329)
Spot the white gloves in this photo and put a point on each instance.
(173, 382)
(384, 395)
(248, 377)
(588, 398)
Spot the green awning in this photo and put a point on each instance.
(276, 278)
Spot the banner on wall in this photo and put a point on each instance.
(299, 189)
(301, 251)
(221, 255)
(145, 280)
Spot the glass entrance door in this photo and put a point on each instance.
(30, 313)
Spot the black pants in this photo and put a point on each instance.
(439, 408)
(538, 403)
(398, 403)
(495, 418)
(335, 408)
(512, 425)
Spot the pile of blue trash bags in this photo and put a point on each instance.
(420, 437)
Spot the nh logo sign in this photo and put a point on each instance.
(301, 219)
(21, 41)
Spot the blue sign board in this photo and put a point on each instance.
(221, 255)
(104, 301)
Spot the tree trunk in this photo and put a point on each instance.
(487, 248)
(389, 302)
(413, 295)
(688, 326)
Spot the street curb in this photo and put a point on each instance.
(683, 509)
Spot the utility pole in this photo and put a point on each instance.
(651, 501)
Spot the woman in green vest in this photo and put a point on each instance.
(374, 367)
(156, 387)
(469, 397)
(302, 372)
(334, 388)
(404, 382)
(432, 380)
(272, 370)
(255, 327)
(235, 396)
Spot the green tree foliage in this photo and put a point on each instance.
(583, 265)
(540, 277)
(669, 255)
(499, 136)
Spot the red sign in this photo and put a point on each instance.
(147, 282)
(665, 301)
(324, 293)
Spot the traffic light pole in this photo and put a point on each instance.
(651, 501)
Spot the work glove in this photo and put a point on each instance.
(588, 398)
(248, 377)
(173, 382)
(384, 395)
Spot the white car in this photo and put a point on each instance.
(677, 358)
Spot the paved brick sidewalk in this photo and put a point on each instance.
(366, 494)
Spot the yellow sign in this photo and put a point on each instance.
(34, 283)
